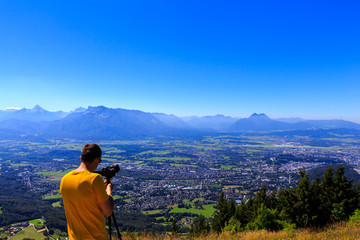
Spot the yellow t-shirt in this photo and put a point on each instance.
(82, 193)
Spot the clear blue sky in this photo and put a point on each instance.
(283, 58)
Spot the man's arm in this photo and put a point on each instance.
(108, 205)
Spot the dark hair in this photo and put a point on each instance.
(89, 152)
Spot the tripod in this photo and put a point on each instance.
(116, 226)
(113, 217)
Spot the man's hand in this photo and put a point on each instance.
(108, 205)
(108, 186)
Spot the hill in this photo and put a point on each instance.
(218, 122)
(349, 171)
(259, 122)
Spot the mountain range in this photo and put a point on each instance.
(116, 123)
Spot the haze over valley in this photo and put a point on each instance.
(170, 166)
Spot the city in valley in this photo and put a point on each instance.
(164, 177)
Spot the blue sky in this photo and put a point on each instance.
(282, 58)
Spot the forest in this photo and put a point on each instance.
(313, 203)
(18, 204)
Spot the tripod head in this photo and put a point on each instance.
(109, 172)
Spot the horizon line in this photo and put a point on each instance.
(356, 120)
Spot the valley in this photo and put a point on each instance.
(164, 177)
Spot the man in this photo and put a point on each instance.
(86, 197)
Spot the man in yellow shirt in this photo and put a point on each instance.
(86, 197)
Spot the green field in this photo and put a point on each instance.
(155, 153)
(0, 211)
(227, 167)
(109, 159)
(29, 233)
(116, 197)
(39, 223)
(183, 165)
(208, 210)
(136, 162)
(56, 236)
(54, 195)
(4, 235)
(121, 197)
(56, 204)
(22, 164)
(54, 175)
(152, 212)
(167, 159)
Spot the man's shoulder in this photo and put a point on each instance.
(82, 174)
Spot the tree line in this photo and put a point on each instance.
(313, 203)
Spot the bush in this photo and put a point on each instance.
(266, 219)
(233, 225)
(355, 218)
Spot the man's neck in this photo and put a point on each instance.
(83, 167)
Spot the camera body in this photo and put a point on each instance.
(110, 171)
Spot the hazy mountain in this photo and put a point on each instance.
(171, 120)
(261, 122)
(332, 124)
(217, 122)
(290, 120)
(79, 109)
(258, 122)
(10, 134)
(36, 114)
(302, 123)
(106, 123)
(23, 126)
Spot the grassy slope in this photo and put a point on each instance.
(28, 232)
(336, 231)
(208, 210)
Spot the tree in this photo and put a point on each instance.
(234, 225)
(304, 201)
(261, 196)
(327, 192)
(174, 227)
(344, 201)
(200, 227)
(316, 204)
(244, 212)
(287, 204)
(266, 219)
(225, 210)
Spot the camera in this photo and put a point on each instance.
(110, 171)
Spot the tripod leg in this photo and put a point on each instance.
(109, 223)
(116, 226)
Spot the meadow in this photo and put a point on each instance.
(339, 231)
(208, 210)
(29, 233)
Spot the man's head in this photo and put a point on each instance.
(90, 152)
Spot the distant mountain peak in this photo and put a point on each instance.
(37, 108)
(259, 116)
(12, 109)
(80, 109)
